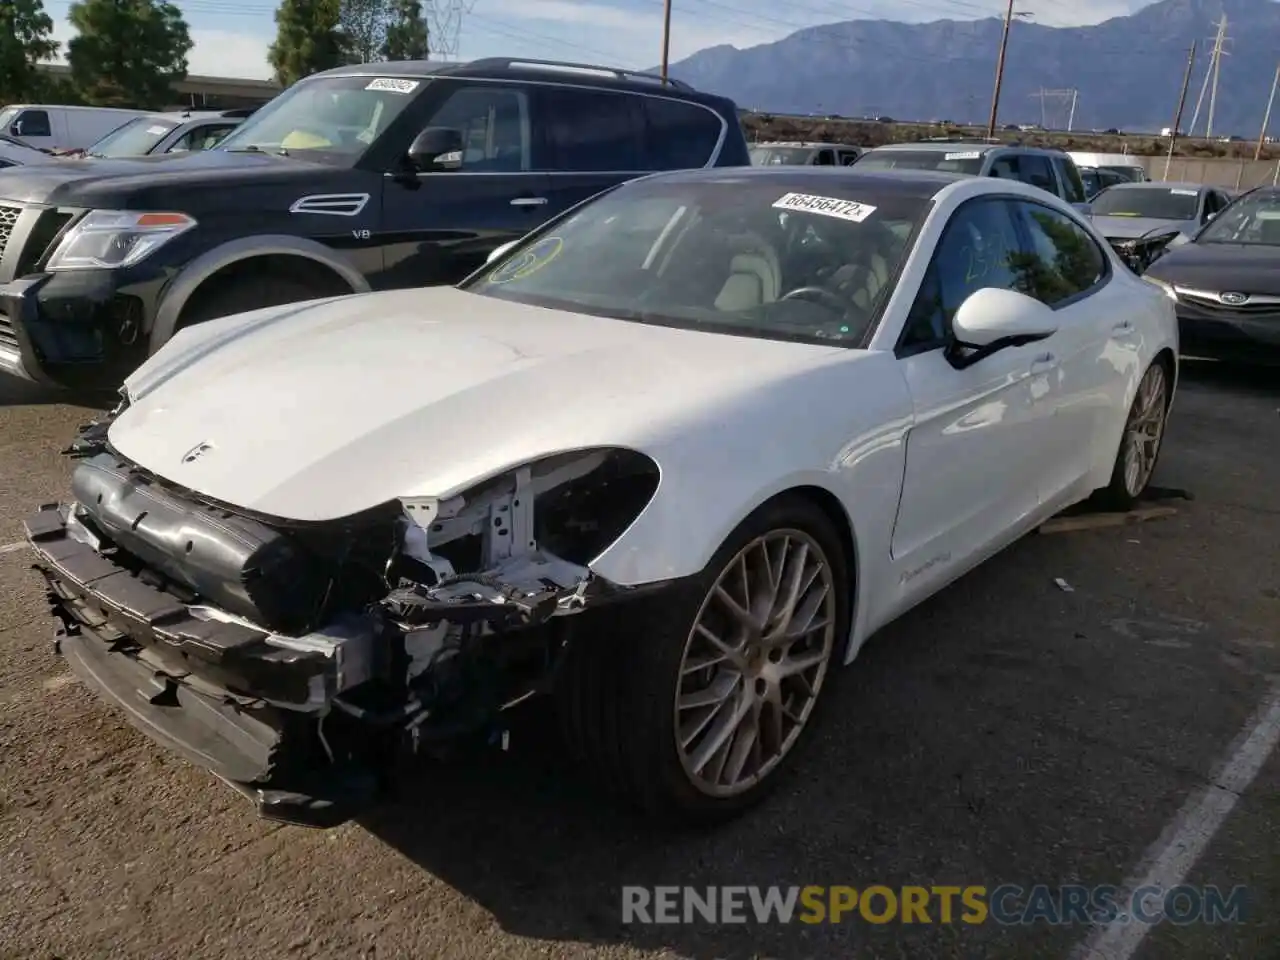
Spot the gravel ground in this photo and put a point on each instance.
(1006, 731)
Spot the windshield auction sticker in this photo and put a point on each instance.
(529, 261)
(964, 155)
(826, 206)
(393, 86)
(1179, 192)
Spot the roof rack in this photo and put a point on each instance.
(509, 63)
(992, 140)
(238, 113)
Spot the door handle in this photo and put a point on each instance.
(529, 202)
(1123, 328)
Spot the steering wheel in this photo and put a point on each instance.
(819, 295)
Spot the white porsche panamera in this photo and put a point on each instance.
(671, 458)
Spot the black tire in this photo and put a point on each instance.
(1120, 494)
(616, 694)
(251, 291)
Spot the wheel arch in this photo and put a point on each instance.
(238, 254)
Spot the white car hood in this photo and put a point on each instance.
(321, 410)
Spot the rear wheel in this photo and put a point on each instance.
(1141, 442)
(693, 709)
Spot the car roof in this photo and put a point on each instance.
(955, 146)
(1161, 185)
(805, 143)
(532, 70)
(922, 184)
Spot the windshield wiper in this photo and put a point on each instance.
(249, 149)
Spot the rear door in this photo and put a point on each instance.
(439, 224)
(589, 141)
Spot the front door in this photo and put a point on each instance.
(973, 452)
(441, 223)
(1068, 271)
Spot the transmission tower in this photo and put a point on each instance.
(1066, 102)
(1211, 79)
(444, 26)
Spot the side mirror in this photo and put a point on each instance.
(500, 252)
(993, 319)
(15, 128)
(433, 146)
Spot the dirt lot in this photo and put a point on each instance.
(1007, 731)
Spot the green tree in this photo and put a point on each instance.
(127, 53)
(26, 38)
(407, 33)
(363, 24)
(308, 39)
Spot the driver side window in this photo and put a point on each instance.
(978, 249)
(493, 122)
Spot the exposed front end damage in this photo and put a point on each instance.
(296, 660)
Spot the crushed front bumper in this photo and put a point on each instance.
(185, 681)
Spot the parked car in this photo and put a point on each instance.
(1097, 179)
(818, 154)
(57, 127)
(1121, 163)
(15, 153)
(177, 132)
(1225, 282)
(1050, 170)
(367, 177)
(1132, 210)
(313, 536)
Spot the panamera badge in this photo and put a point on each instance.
(1234, 299)
(196, 452)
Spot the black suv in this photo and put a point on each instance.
(367, 177)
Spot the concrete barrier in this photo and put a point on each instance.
(1216, 171)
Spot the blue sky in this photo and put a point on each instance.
(231, 36)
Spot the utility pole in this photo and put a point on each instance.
(1266, 117)
(1217, 68)
(1004, 45)
(1182, 100)
(1071, 117)
(666, 38)
(1209, 73)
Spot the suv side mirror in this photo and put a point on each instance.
(15, 128)
(433, 146)
(992, 319)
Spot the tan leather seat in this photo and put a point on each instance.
(754, 279)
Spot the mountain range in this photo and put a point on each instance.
(1127, 72)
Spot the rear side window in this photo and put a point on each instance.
(201, 138)
(680, 135)
(1062, 261)
(32, 123)
(1071, 181)
(1035, 170)
(593, 130)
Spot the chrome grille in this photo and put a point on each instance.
(1257, 303)
(8, 220)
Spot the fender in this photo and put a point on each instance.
(245, 248)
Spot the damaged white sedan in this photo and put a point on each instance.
(671, 460)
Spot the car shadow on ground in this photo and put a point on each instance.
(15, 392)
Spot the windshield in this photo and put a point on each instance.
(1249, 220)
(135, 139)
(734, 255)
(1156, 203)
(944, 161)
(786, 156)
(333, 119)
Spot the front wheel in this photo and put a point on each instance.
(1140, 444)
(693, 709)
